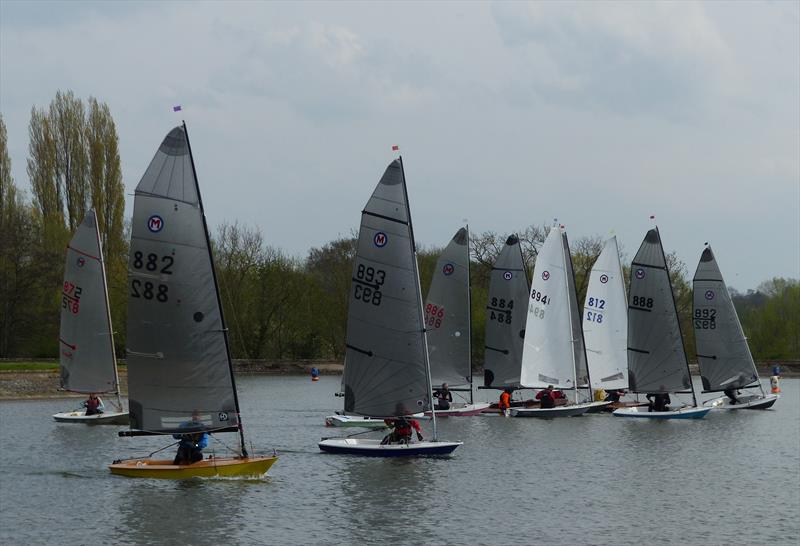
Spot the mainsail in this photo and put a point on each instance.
(86, 340)
(722, 351)
(447, 315)
(605, 321)
(387, 371)
(549, 354)
(178, 359)
(656, 357)
(505, 317)
(578, 345)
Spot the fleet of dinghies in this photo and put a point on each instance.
(398, 348)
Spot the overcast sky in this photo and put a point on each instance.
(507, 114)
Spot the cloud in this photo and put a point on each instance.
(659, 59)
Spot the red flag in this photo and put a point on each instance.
(395, 147)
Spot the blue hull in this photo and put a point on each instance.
(664, 415)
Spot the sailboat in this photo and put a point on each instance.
(554, 352)
(388, 372)
(447, 322)
(722, 351)
(605, 323)
(657, 361)
(180, 377)
(505, 317)
(86, 340)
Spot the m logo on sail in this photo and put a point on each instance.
(155, 223)
(545, 275)
(380, 239)
(709, 295)
(640, 273)
(604, 279)
(448, 269)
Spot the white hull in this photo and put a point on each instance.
(547, 413)
(374, 448)
(105, 418)
(643, 412)
(353, 421)
(467, 410)
(753, 401)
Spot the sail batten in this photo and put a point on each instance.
(178, 361)
(86, 352)
(718, 332)
(505, 324)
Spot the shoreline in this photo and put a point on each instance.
(44, 384)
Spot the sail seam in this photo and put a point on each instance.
(368, 213)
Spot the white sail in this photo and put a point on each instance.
(87, 344)
(548, 354)
(605, 321)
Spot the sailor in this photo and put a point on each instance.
(658, 401)
(93, 405)
(443, 397)
(402, 430)
(190, 448)
(547, 397)
(731, 394)
(505, 399)
(614, 395)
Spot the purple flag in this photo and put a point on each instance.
(176, 108)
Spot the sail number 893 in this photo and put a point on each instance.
(368, 282)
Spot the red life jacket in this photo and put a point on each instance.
(92, 404)
(505, 401)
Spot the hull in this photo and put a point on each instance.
(641, 412)
(600, 406)
(549, 413)
(754, 401)
(106, 418)
(373, 448)
(229, 467)
(468, 410)
(353, 421)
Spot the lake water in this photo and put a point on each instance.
(733, 477)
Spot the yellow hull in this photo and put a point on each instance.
(207, 468)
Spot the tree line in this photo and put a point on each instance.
(277, 306)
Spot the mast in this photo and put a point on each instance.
(108, 312)
(419, 304)
(219, 301)
(469, 315)
(677, 317)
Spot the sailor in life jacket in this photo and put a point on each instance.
(505, 399)
(93, 405)
(402, 430)
(190, 448)
(548, 397)
(443, 397)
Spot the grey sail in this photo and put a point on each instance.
(506, 314)
(86, 340)
(575, 315)
(447, 315)
(387, 370)
(722, 351)
(656, 357)
(178, 358)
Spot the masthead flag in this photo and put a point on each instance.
(176, 108)
(395, 147)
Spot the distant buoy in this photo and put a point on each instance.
(775, 384)
(314, 374)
